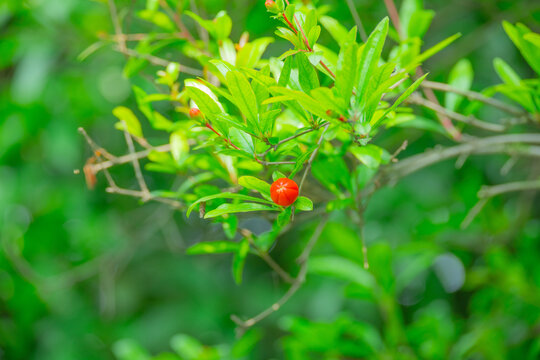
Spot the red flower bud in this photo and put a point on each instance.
(284, 192)
(194, 112)
(271, 6)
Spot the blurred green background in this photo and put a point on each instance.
(81, 269)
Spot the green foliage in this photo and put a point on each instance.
(368, 271)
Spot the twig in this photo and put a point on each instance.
(491, 191)
(159, 61)
(267, 258)
(312, 157)
(394, 16)
(306, 41)
(357, 20)
(178, 21)
(401, 148)
(473, 95)
(117, 26)
(470, 120)
(487, 192)
(443, 119)
(298, 281)
(268, 163)
(274, 147)
(136, 166)
(512, 144)
(144, 197)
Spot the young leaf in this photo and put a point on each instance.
(208, 104)
(213, 247)
(336, 30)
(226, 195)
(307, 75)
(346, 70)
(529, 50)
(253, 183)
(128, 121)
(251, 53)
(237, 208)
(303, 204)
(370, 57)
(244, 96)
(242, 139)
(179, 146)
(461, 77)
(400, 99)
(431, 51)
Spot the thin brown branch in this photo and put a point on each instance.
(470, 120)
(303, 261)
(144, 197)
(487, 192)
(312, 157)
(512, 144)
(444, 119)
(136, 166)
(117, 26)
(159, 61)
(267, 258)
(178, 21)
(394, 16)
(473, 95)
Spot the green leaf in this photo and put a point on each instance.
(187, 347)
(157, 18)
(369, 59)
(244, 97)
(506, 73)
(213, 247)
(284, 217)
(253, 183)
(336, 30)
(369, 155)
(245, 345)
(128, 121)
(237, 208)
(401, 99)
(251, 53)
(420, 22)
(307, 75)
(461, 77)
(346, 70)
(208, 104)
(431, 51)
(278, 175)
(303, 204)
(127, 349)
(342, 268)
(529, 50)
(242, 139)
(222, 25)
(226, 195)
(239, 260)
(179, 146)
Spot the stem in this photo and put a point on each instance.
(302, 260)
(473, 95)
(221, 136)
(471, 120)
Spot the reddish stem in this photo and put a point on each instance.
(290, 24)
(221, 136)
(306, 41)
